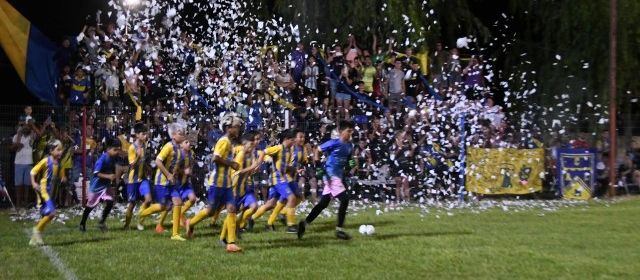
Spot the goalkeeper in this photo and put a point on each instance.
(339, 151)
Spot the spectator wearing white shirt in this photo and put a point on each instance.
(23, 146)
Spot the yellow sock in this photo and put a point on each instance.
(291, 217)
(260, 212)
(199, 217)
(186, 207)
(274, 214)
(154, 208)
(163, 216)
(42, 223)
(176, 219)
(245, 216)
(142, 208)
(223, 232)
(231, 228)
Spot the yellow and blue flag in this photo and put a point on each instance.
(30, 52)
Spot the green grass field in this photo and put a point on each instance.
(599, 240)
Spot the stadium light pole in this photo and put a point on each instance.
(613, 133)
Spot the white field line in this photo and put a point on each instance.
(55, 260)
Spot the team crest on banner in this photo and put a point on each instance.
(574, 164)
(504, 171)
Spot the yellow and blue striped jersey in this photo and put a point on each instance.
(281, 158)
(169, 155)
(186, 161)
(299, 156)
(220, 176)
(244, 159)
(136, 165)
(49, 172)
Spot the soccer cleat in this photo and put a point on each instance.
(36, 238)
(140, 227)
(102, 227)
(342, 235)
(292, 229)
(82, 228)
(302, 227)
(189, 229)
(269, 228)
(159, 229)
(250, 224)
(233, 248)
(282, 219)
(177, 237)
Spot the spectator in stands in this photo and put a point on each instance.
(80, 88)
(395, 85)
(23, 146)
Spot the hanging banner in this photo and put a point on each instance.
(574, 164)
(504, 171)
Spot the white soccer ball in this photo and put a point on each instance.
(366, 229)
(370, 230)
(363, 229)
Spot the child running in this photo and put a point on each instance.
(339, 152)
(220, 193)
(101, 187)
(137, 183)
(50, 173)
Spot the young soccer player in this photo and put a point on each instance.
(280, 190)
(49, 171)
(297, 160)
(167, 163)
(185, 189)
(249, 162)
(101, 187)
(220, 191)
(339, 152)
(137, 182)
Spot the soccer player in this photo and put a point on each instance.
(249, 161)
(339, 152)
(101, 183)
(220, 193)
(137, 182)
(50, 172)
(280, 190)
(167, 163)
(184, 189)
(297, 160)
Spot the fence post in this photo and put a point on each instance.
(83, 146)
(462, 157)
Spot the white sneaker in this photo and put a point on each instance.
(36, 238)
(140, 227)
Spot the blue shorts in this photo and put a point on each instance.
(162, 195)
(246, 200)
(182, 191)
(273, 193)
(295, 188)
(283, 191)
(137, 191)
(218, 197)
(47, 208)
(22, 176)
